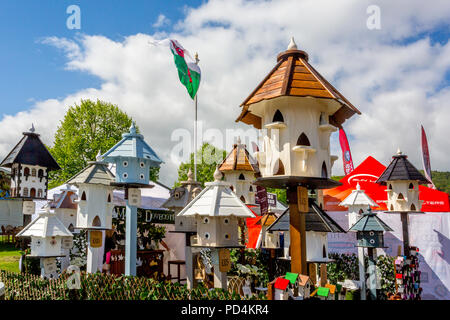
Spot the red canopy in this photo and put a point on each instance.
(366, 174)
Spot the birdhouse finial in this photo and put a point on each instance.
(98, 157)
(358, 187)
(32, 129)
(190, 175)
(399, 152)
(238, 140)
(217, 174)
(133, 128)
(292, 45)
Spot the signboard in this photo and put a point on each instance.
(134, 197)
(302, 199)
(95, 239)
(272, 199)
(261, 199)
(49, 265)
(150, 215)
(224, 260)
(29, 207)
(67, 243)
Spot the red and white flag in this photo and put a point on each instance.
(426, 159)
(346, 154)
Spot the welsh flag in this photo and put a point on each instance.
(188, 71)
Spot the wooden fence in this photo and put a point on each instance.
(105, 287)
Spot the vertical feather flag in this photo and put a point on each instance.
(426, 158)
(346, 154)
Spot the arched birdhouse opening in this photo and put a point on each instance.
(231, 187)
(278, 116)
(400, 196)
(303, 140)
(392, 208)
(280, 167)
(250, 189)
(413, 207)
(109, 197)
(411, 186)
(32, 192)
(26, 171)
(323, 118)
(324, 170)
(83, 196)
(71, 227)
(242, 199)
(360, 211)
(324, 251)
(96, 222)
(390, 187)
(241, 176)
(40, 173)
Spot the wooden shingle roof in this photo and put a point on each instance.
(294, 76)
(239, 159)
(401, 169)
(30, 150)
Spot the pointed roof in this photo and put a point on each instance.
(64, 200)
(316, 220)
(401, 169)
(132, 145)
(217, 199)
(30, 150)
(281, 283)
(45, 225)
(95, 173)
(358, 198)
(370, 222)
(184, 192)
(294, 76)
(239, 159)
(291, 276)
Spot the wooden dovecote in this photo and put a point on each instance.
(48, 235)
(357, 202)
(217, 211)
(402, 181)
(299, 110)
(30, 163)
(239, 169)
(95, 196)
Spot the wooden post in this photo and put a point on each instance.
(130, 240)
(271, 263)
(188, 260)
(297, 231)
(404, 218)
(313, 273)
(372, 274)
(323, 274)
(362, 272)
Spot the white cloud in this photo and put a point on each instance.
(161, 21)
(394, 75)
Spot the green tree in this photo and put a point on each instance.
(208, 157)
(86, 129)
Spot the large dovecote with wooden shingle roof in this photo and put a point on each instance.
(30, 163)
(95, 196)
(239, 169)
(299, 109)
(402, 181)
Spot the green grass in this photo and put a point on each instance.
(9, 257)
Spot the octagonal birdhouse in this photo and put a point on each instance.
(297, 110)
(357, 202)
(370, 230)
(95, 196)
(402, 181)
(65, 207)
(30, 163)
(132, 158)
(217, 211)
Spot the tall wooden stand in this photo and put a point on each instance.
(297, 232)
(372, 273)
(362, 272)
(405, 231)
(188, 260)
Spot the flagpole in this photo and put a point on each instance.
(195, 126)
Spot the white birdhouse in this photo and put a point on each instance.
(281, 287)
(402, 184)
(297, 110)
(270, 240)
(357, 202)
(65, 207)
(30, 163)
(217, 211)
(179, 198)
(239, 169)
(48, 235)
(95, 196)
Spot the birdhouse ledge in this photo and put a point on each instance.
(276, 125)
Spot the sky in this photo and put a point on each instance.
(397, 75)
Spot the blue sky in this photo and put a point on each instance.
(32, 71)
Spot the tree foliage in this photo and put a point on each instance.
(86, 129)
(208, 157)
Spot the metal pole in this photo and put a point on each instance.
(130, 240)
(195, 127)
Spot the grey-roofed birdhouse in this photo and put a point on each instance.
(369, 230)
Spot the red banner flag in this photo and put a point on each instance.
(346, 154)
(426, 159)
